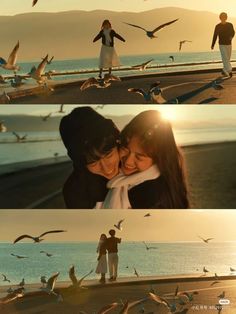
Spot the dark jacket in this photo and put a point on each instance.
(225, 32)
(112, 34)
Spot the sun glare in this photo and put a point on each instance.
(168, 113)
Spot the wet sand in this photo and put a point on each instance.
(190, 87)
(211, 172)
(96, 296)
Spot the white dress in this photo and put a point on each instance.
(102, 263)
(108, 56)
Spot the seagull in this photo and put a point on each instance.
(47, 254)
(4, 98)
(107, 308)
(99, 107)
(10, 64)
(149, 247)
(43, 280)
(45, 118)
(205, 270)
(37, 239)
(19, 138)
(189, 296)
(75, 282)
(183, 42)
(99, 83)
(61, 109)
(172, 58)
(19, 256)
(49, 73)
(118, 226)
(16, 294)
(150, 34)
(3, 128)
(17, 81)
(160, 300)
(217, 86)
(205, 240)
(142, 66)
(232, 269)
(128, 305)
(34, 2)
(147, 215)
(36, 73)
(154, 93)
(5, 278)
(22, 283)
(222, 295)
(51, 284)
(135, 272)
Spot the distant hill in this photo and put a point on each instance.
(69, 35)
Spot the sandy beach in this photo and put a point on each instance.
(189, 87)
(95, 296)
(211, 176)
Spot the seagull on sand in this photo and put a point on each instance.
(19, 256)
(142, 66)
(10, 64)
(149, 247)
(3, 128)
(99, 83)
(45, 118)
(150, 34)
(19, 138)
(5, 278)
(160, 300)
(36, 239)
(46, 253)
(118, 226)
(37, 73)
(183, 42)
(75, 282)
(205, 240)
(34, 2)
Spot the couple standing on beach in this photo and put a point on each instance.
(109, 245)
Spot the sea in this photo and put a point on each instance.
(181, 258)
(161, 60)
(48, 145)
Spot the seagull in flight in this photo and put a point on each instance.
(10, 64)
(183, 42)
(118, 226)
(36, 239)
(100, 82)
(37, 73)
(19, 256)
(142, 66)
(43, 280)
(75, 282)
(51, 284)
(160, 300)
(205, 240)
(45, 118)
(149, 247)
(19, 138)
(150, 34)
(5, 278)
(46, 253)
(135, 272)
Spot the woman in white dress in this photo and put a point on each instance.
(102, 258)
(108, 56)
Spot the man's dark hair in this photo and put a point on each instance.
(112, 232)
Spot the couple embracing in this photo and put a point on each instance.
(140, 167)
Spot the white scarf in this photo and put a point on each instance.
(117, 196)
(106, 33)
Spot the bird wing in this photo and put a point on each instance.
(88, 83)
(163, 25)
(34, 2)
(180, 45)
(145, 244)
(61, 108)
(22, 237)
(72, 275)
(50, 61)
(13, 56)
(80, 281)
(42, 65)
(51, 281)
(107, 308)
(139, 91)
(110, 77)
(135, 26)
(120, 222)
(209, 239)
(52, 231)
(2, 61)
(16, 135)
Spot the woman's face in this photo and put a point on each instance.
(133, 157)
(107, 166)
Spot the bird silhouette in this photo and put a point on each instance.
(36, 239)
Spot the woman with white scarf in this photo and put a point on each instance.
(152, 171)
(108, 56)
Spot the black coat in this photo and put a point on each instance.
(112, 34)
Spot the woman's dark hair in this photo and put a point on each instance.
(106, 22)
(103, 235)
(87, 135)
(157, 140)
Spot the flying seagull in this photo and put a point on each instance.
(37, 239)
(99, 83)
(51, 284)
(150, 34)
(46, 253)
(37, 73)
(149, 247)
(77, 283)
(118, 226)
(205, 240)
(34, 2)
(19, 256)
(142, 66)
(43, 280)
(183, 42)
(19, 138)
(160, 300)
(5, 278)
(10, 64)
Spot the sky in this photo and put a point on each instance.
(87, 225)
(23, 6)
(194, 113)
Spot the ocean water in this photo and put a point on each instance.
(167, 259)
(41, 145)
(161, 59)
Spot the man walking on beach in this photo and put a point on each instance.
(112, 248)
(225, 31)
